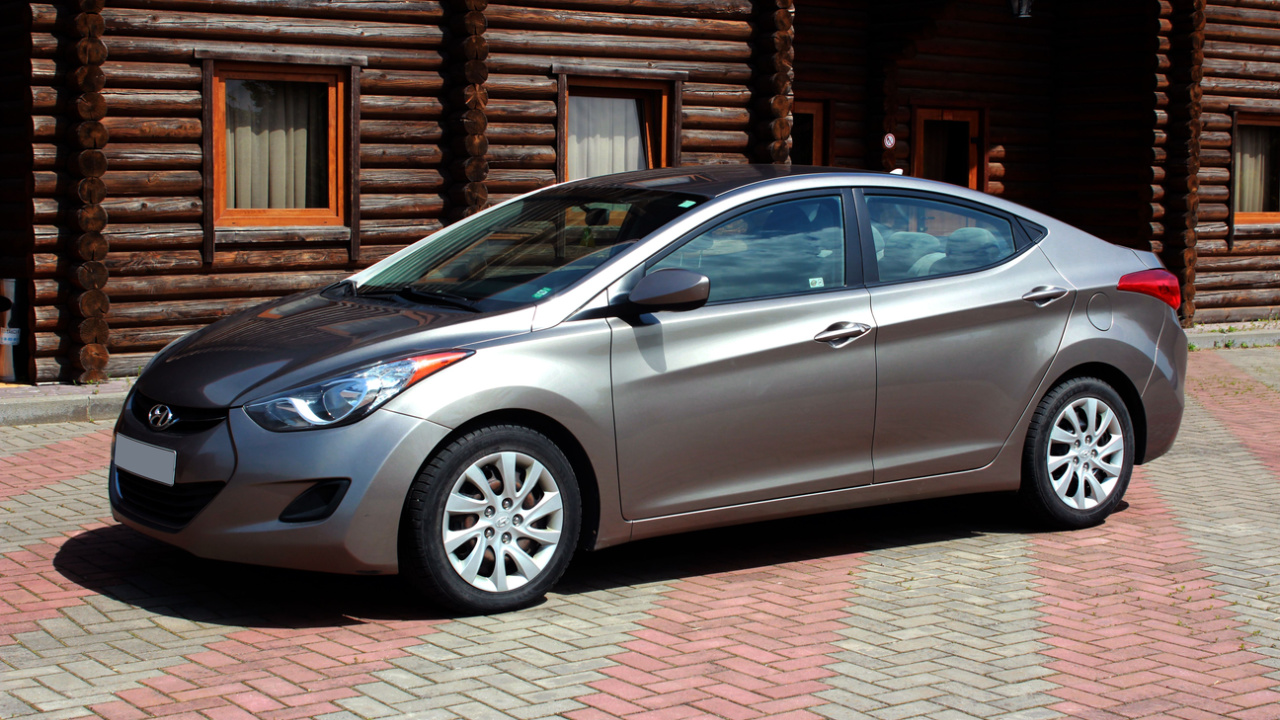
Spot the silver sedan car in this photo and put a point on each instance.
(651, 353)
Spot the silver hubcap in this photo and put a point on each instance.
(1086, 453)
(502, 521)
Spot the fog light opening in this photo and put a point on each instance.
(317, 503)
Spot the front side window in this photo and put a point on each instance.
(783, 249)
(276, 141)
(915, 237)
(528, 250)
(614, 126)
(1256, 189)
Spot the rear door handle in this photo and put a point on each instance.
(1045, 294)
(842, 333)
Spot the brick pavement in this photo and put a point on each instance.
(952, 609)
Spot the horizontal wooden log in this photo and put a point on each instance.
(166, 287)
(715, 118)
(1227, 265)
(614, 22)
(243, 27)
(522, 87)
(142, 102)
(128, 236)
(512, 110)
(397, 232)
(682, 8)
(1237, 280)
(377, 81)
(49, 369)
(158, 129)
(400, 107)
(1237, 298)
(521, 133)
(151, 75)
(172, 312)
(154, 209)
(156, 262)
(521, 156)
(400, 155)
(395, 131)
(149, 156)
(151, 339)
(375, 206)
(699, 71)
(715, 140)
(373, 180)
(1236, 314)
(713, 158)
(169, 49)
(514, 180)
(716, 95)
(415, 10)
(151, 182)
(601, 45)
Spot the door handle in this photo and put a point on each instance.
(1044, 294)
(842, 333)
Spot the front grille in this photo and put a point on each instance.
(163, 507)
(189, 419)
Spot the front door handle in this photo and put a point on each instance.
(1045, 294)
(842, 333)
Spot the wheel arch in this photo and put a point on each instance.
(588, 482)
(1121, 383)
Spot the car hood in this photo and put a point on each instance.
(305, 338)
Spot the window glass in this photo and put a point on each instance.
(788, 248)
(606, 135)
(529, 249)
(916, 238)
(1257, 169)
(277, 144)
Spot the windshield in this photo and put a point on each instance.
(528, 250)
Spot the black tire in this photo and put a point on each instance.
(427, 564)
(1041, 486)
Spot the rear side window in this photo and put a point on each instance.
(917, 237)
(784, 249)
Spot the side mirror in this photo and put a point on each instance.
(670, 289)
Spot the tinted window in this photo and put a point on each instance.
(783, 249)
(917, 238)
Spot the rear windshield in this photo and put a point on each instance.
(528, 250)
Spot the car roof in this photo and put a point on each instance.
(707, 180)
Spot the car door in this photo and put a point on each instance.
(746, 399)
(969, 315)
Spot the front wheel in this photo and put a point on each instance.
(491, 521)
(1079, 454)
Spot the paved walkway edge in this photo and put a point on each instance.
(65, 408)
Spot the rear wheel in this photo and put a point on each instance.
(492, 520)
(1079, 454)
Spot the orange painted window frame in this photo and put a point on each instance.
(977, 178)
(1249, 218)
(818, 109)
(334, 214)
(656, 96)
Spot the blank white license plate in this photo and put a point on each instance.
(148, 461)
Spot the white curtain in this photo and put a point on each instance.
(604, 136)
(277, 144)
(1253, 168)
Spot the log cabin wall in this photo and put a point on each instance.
(163, 278)
(975, 55)
(1108, 128)
(16, 239)
(832, 62)
(706, 44)
(1238, 265)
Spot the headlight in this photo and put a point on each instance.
(346, 398)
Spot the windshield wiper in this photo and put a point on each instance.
(408, 292)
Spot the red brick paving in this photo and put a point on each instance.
(739, 645)
(27, 470)
(1250, 409)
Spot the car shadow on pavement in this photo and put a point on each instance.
(120, 563)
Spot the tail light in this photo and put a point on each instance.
(1159, 284)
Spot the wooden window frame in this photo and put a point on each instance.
(660, 90)
(335, 213)
(978, 152)
(822, 135)
(1247, 119)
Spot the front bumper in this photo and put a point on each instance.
(264, 471)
